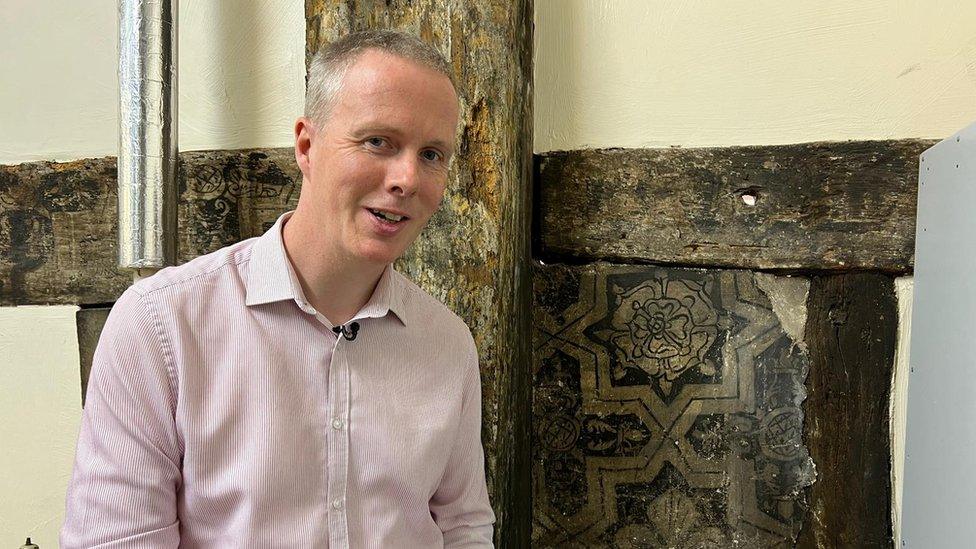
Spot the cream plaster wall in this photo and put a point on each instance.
(241, 83)
(656, 73)
(40, 413)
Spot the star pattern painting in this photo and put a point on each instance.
(667, 408)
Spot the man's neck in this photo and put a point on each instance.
(336, 287)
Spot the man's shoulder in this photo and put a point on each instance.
(204, 269)
(426, 308)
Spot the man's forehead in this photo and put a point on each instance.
(387, 94)
(377, 71)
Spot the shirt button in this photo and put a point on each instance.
(337, 423)
(337, 503)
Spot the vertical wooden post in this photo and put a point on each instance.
(474, 256)
(852, 325)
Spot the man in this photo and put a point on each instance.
(293, 390)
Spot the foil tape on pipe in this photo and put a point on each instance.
(147, 161)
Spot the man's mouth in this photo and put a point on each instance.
(387, 216)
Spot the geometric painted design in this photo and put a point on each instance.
(55, 218)
(666, 409)
(218, 190)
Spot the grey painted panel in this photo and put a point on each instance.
(940, 460)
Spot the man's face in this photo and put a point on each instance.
(385, 147)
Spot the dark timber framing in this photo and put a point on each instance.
(814, 206)
(851, 333)
(58, 220)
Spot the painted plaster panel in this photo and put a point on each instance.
(667, 408)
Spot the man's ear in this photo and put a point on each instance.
(304, 133)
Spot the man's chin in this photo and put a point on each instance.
(380, 255)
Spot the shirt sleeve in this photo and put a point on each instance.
(126, 473)
(460, 505)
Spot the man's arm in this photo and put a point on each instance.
(127, 464)
(460, 505)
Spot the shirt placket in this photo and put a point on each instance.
(338, 458)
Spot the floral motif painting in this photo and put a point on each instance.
(667, 410)
(663, 327)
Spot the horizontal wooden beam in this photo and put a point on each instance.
(830, 206)
(58, 221)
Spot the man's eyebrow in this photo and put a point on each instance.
(370, 129)
(367, 129)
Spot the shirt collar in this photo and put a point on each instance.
(272, 278)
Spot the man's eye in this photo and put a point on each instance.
(376, 141)
(433, 156)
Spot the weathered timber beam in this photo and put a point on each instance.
(58, 221)
(833, 206)
(851, 334)
(475, 254)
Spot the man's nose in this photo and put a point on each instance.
(403, 176)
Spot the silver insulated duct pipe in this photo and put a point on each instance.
(147, 133)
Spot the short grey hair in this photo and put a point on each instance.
(330, 63)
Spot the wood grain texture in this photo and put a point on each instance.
(58, 220)
(835, 206)
(474, 255)
(851, 333)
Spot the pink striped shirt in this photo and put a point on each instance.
(223, 411)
